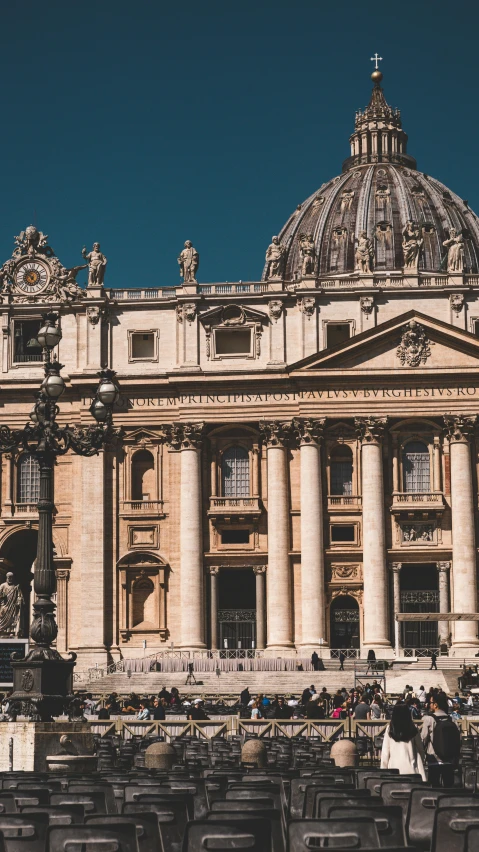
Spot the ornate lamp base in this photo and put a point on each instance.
(42, 688)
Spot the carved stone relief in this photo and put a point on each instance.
(275, 308)
(307, 306)
(415, 534)
(414, 348)
(457, 302)
(367, 304)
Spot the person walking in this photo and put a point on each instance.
(433, 661)
(402, 746)
(342, 657)
(442, 741)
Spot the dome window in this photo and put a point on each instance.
(447, 196)
(428, 228)
(417, 191)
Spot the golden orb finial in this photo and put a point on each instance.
(376, 76)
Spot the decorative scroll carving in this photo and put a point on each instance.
(275, 308)
(307, 305)
(395, 567)
(259, 569)
(308, 431)
(184, 436)
(460, 427)
(443, 566)
(367, 304)
(189, 311)
(236, 615)
(93, 314)
(345, 572)
(414, 348)
(370, 429)
(456, 300)
(277, 433)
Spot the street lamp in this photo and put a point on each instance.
(43, 681)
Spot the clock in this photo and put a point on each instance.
(31, 276)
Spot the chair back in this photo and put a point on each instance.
(307, 834)
(389, 821)
(24, 832)
(147, 829)
(450, 826)
(252, 835)
(117, 838)
(58, 814)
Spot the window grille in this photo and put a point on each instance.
(416, 467)
(342, 477)
(235, 473)
(28, 480)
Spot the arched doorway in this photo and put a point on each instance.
(18, 554)
(344, 615)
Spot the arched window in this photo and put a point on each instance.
(28, 482)
(143, 476)
(235, 472)
(416, 467)
(341, 470)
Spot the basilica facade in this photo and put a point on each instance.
(300, 453)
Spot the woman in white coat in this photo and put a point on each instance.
(402, 745)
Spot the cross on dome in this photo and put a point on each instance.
(376, 59)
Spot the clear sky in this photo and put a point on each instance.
(142, 124)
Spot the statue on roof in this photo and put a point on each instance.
(412, 242)
(364, 256)
(275, 258)
(189, 261)
(455, 252)
(307, 251)
(96, 265)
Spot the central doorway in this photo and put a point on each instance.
(237, 610)
(344, 622)
(419, 593)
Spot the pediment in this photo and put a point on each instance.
(141, 437)
(232, 315)
(411, 342)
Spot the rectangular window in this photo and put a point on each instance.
(337, 333)
(26, 347)
(342, 533)
(475, 327)
(143, 346)
(233, 341)
(235, 537)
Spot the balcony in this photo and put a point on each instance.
(417, 501)
(344, 503)
(142, 507)
(234, 508)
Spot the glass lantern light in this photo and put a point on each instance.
(50, 333)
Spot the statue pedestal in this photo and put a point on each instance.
(33, 742)
(7, 648)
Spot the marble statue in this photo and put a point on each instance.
(364, 253)
(308, 254)
(411, 245)
(11, 606)
(455, 251)
(275, 257)
(96, 265)
(189, 261)
(30, 241)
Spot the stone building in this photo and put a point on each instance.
(300, 458)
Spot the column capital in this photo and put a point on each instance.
(459, 427)
(276, 433)
(184, 436)
(214, 570)
(370, 430)
(62, 573)
(395, 567)
(308, 431)
(443, 567)
(259, 569)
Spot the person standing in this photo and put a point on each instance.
(433, 660)
(442, 741)
(402, 746)
(314, 661)
(342, 657)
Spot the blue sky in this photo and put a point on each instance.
(144, 124)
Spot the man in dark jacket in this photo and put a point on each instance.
(314, 661)
(315, 710)
(245, 697)
(282, 710)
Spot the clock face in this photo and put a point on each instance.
(31, 276)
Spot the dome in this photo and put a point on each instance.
(381, 193)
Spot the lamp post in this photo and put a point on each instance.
(43, 681)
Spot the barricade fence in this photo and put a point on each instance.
(326, 730)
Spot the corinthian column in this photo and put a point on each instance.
(376, 633)
(276, 436)
(309, 433)
(443, 627)
(187, 438)
(396, 572)
(464, 585)
(260, 573)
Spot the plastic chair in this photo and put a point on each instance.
(121, 838)
(58, 814)
(24, 832)
(93, 803)
(228, 813)
(107, 789)
(398, 793)
(422, 806)
(374, 784)
(307, 834)
(171, 813)
(252, 834)
(297, 794)
(362, 774)
(471, 843)
(147, 829)
(389, 821)
(450, 825)
(324, 801)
